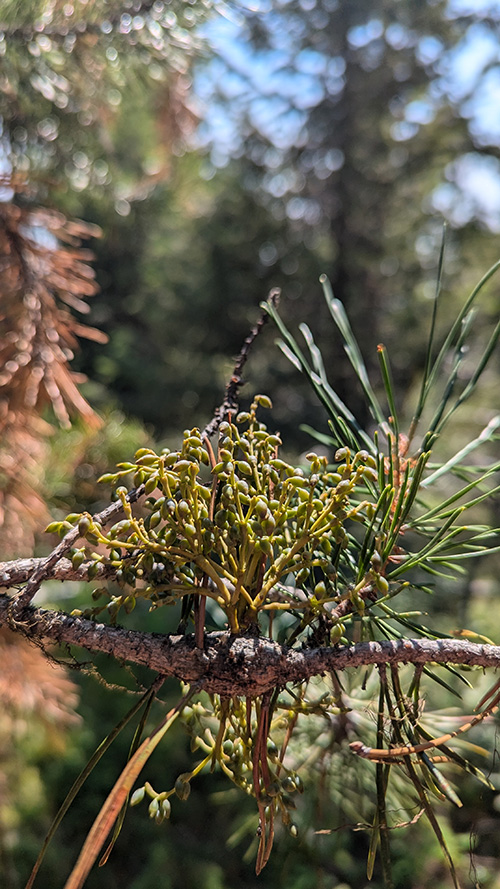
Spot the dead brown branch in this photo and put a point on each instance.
(44, 274)
(231, 399)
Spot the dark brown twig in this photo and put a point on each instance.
(230, 404)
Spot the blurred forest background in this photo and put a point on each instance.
(223, 149)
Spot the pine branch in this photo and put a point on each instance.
(235, 665)
(44, 567)
(42, 279)
(65, 24)
(19, 571)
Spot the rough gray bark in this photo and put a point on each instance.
(44, 568)
(21, 570)
(229, 665)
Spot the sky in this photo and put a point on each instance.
(267, 83)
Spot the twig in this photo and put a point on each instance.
(20, 570)
(231, 401)
(392, 754)
(44, 568)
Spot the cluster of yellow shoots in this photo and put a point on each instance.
(243, 527)
(258, 536)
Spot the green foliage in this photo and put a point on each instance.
(237, 538)
(69, 73)
(185, 256)
(310, 557)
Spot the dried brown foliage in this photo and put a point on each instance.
(50, 699)
(44, 272)
(37, 701)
